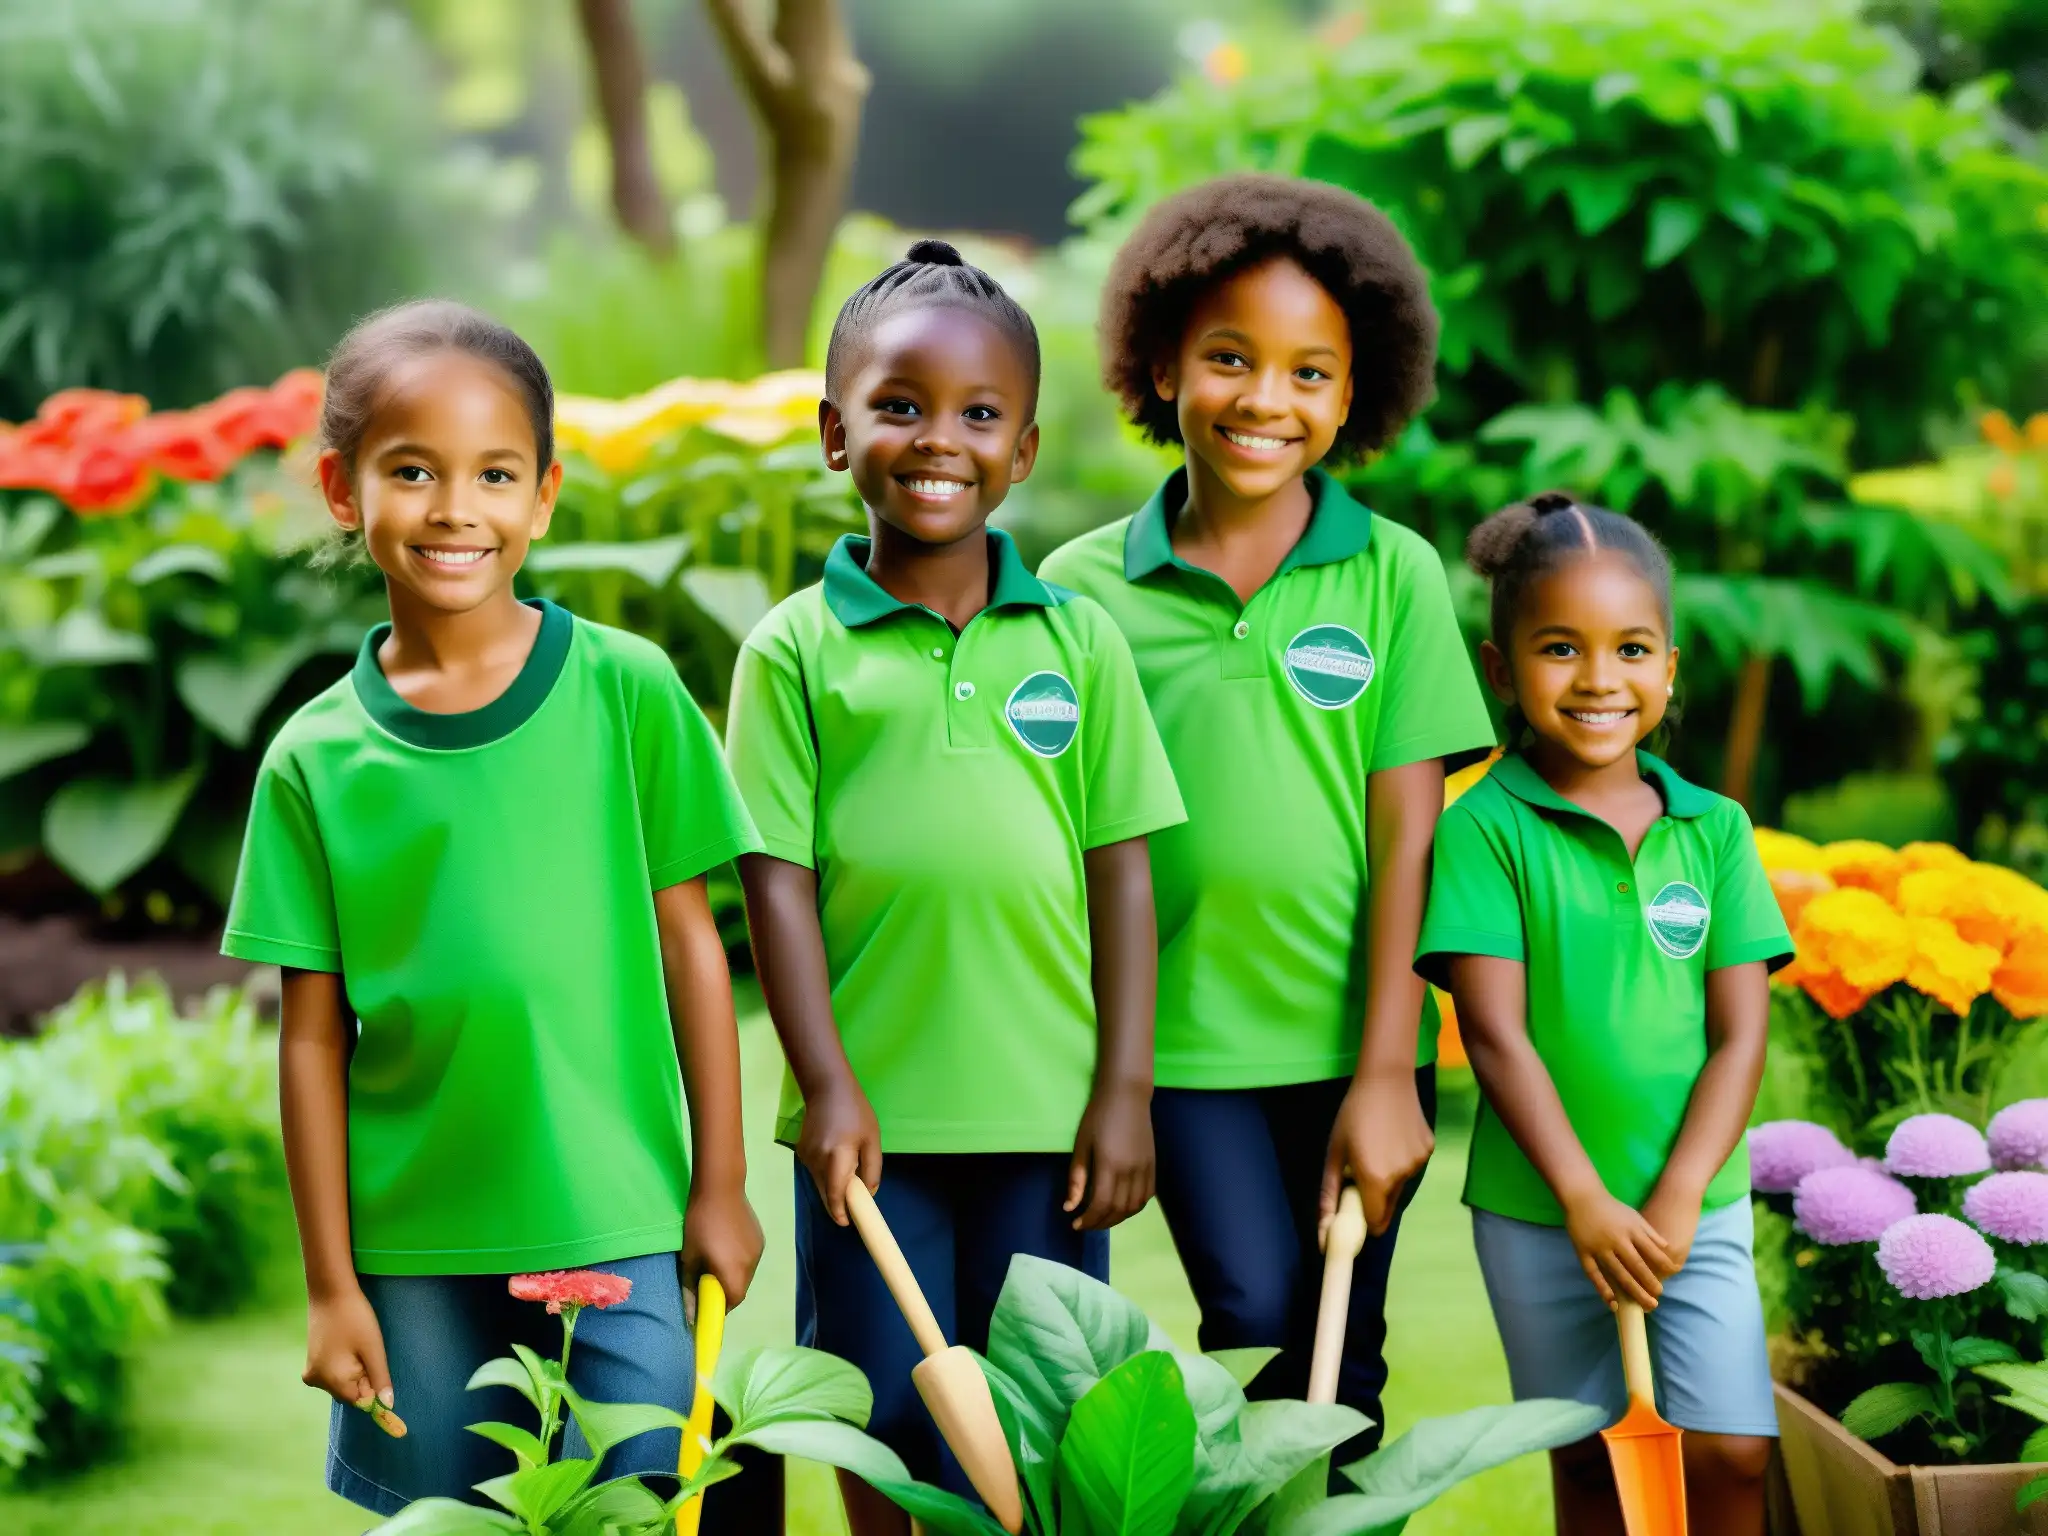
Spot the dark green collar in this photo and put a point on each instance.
(477, 727)
(856, 598)
(1338, 528)
(1682, 799)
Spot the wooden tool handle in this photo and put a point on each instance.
(867, 1220)
(1340, 1247)
(1635, 1353)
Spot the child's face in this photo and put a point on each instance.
(1589, 662)
(446, 489)
(936, 425)
(1262, 380)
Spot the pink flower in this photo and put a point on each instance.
(2019, 1135)
(2013, 1206)
(561, 1288)
(1936, 1147)
(1782, 1152)
(1849, 1205)
(1928, 1257)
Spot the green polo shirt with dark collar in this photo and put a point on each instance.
(1616, 952)
(1274, 712)
(944, 787)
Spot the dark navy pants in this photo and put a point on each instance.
(959, 1218)
(1240, 1177)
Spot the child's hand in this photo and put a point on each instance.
(1619, 1249)
(1675, 1214)
(1383, 1140)
(345, 1354)
(1113, 1160)
(722, 1238)
(840, 1138)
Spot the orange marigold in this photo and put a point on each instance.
(1948, 967)
(2002, 480)
(1781, 850)
(1794, 888)
(1999, 431)
(1934, 856)
(1850, 941)
(2037, 430)
(2021, 983)
(1869, 866)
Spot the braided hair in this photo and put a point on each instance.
(931, 274)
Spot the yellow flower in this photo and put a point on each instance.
(1224, 64)
(1465, 778)
(1870, 866)
(1948, 967)
(1794, 888)
(617, 435)
(1851, 945)
(1781, 850)
(1988, 904)
(1934, 856)
(1999, 431)
(2037, 430)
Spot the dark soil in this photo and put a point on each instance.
(45, 959)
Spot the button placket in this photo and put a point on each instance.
(967, 722)
(1244, 641)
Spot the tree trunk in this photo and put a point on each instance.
(620, 75)
(807, 91)
(1746, 729)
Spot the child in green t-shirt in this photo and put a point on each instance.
(1607, 931)
(954, 774)
(480, 860)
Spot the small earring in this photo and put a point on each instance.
(1670, 689)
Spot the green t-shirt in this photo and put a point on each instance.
(483, 883)
(944, 788)
(1347, 662)
(1616, 953)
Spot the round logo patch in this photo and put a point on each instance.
(1329, 665)
(1045, 712)
(1678, 918)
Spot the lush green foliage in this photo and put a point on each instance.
(194, 195)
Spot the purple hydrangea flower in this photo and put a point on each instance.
(1850, 1205)
(2019, 1135)
(1936, 1147)
(2013, 1206)
(1782, 1152)
(1928, 1257)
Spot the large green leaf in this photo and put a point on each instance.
(843, 1446)
(1244, 1365)
(230, 693)
(179, 560)
(2026, 1386)
(103, 830)
(535, 1493)
(605, 1425)
(84, 638)
(764, 1386)
(1675, 222)
(24, 746)
(1877, 1411)
(737, 599)
(1127, 1460)
(1056, 1333)
(1033, 1445)
(502, 1372)
(2025, 1293)
(654, 561)
(623, 1504)
(524, 1444)
(1276, 1442)
(446, 1517)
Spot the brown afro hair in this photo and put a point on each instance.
(1211, 232)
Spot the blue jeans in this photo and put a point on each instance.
(1240, 1178)
(959, 1218)
(439, 1328)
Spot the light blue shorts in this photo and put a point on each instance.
(1706, 1336)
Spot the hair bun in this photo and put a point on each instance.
(1546, 502)
(935, 253)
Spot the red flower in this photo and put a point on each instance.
(104, 478)
(183, 445)
(73, 418)
(561, 1288)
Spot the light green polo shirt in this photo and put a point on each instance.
(1274, 712)
(1616, 953)
(944, 788)
(483, 884)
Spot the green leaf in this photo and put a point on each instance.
(522, 1443)
(1720, 116)
(230, 693)
(1613, 87)
(2025, 1293)
(2035, 1447)
(535, 1493)
(1244, 1365)
(939, 1512)
(83, 638)
(623, 1504)
(1675, 222)
(179, 560)
(654, 561)
(1127, 1459)
(545, 1374)
(1601, 194)
(1967, 1354)
(502, 1372)
(736, 599)
(445, 1517)
(103, 830)
(765, 1386)
(1875, 1413)
(2028, 1494)
(605, 1425)
(1276, 1443)
(2026, 1385)
(1471, 137)
(24, 746)
(1056, 1333)
(843, 1446)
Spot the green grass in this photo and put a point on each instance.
(227, 1442)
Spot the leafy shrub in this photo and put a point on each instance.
(193, 195)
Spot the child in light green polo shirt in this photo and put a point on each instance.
(1607, 932)
(1309, 678)
(954, 774)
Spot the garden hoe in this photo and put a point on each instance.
(697, 1434)
(1340, 1249)
(948, 1378)
(1649, 1466)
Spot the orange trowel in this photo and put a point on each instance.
(1649, 1463)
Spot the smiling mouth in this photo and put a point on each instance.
(450, 557)
(1597, 718)
(1256, 443)
(933, 487)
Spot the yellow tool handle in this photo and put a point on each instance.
(697, 1437)
(1635, 1353)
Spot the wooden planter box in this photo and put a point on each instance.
(1842, 1486)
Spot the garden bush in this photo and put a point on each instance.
(193, 195)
